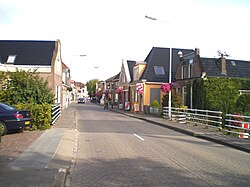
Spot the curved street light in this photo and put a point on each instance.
(170, 63)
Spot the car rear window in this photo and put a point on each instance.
(6, 107)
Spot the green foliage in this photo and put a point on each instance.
(91, 86)
(245, 84)
(41, 114)
(188, 96)
(27, 91)
(175, 100)
(155, 104)
(24, 87)
(243, 104)
(221, 94)
(198, 94)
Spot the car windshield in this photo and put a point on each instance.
(6, 107)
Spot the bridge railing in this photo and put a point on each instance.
(195, 116)
(238, 124)
(55, 113)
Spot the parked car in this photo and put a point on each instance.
(12, 119)
(81, 100)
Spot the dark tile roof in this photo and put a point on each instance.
(111, 79)
(160, 57)
(28, 52)
(131, 65)
(235, 68)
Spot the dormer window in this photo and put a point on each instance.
(159, 70)
(11, 59)
(136, 73)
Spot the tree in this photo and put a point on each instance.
(24, 87)
(221, 94)
(91, 86)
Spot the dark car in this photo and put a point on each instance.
(12, 119)
(81, 100)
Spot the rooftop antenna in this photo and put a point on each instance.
(222, 54)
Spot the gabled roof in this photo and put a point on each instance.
(131, 64)
(114, 78)
(64, 66)
(160, 57)
(27, 52)
(235, 68)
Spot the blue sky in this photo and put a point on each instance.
(111, 30)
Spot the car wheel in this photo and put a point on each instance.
(3, 128)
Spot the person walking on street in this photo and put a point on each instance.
(106, 106)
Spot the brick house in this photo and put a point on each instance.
(42, 56)
(192, 67)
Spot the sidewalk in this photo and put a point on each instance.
(199, 131)
(46, 162)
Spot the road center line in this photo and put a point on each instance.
(139, 137)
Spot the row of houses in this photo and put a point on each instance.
(139, 83)
(134, 87)
(45, 58)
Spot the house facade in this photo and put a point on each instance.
(42, 56)
(66, 86)
(193, 67)
(149, 75)
(111, 89)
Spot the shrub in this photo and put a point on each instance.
(243, 104)
(24, 87)
(155, 104)
(41, 114)
(175, 99)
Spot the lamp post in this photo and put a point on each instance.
(170, 64)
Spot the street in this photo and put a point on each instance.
(116, 150)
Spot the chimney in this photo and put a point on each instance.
(197, 51)
(223, 66)
(180, 54)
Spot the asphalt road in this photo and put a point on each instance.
(116, 150)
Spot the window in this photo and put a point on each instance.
(159, 70)
(11, 59)
(136, 73)
(190, 69)
(183, 72)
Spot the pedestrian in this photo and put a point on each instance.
(106, 106)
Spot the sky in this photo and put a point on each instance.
(110, 31)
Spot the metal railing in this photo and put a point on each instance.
(55, 113)
(237, 124)
(195, 116)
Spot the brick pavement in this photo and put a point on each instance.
(15, 144)
(200, 131)
(43, 157)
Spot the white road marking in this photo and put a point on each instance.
(139, 137)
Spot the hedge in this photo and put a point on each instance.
(41, 114)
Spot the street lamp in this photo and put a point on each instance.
(170, 64)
